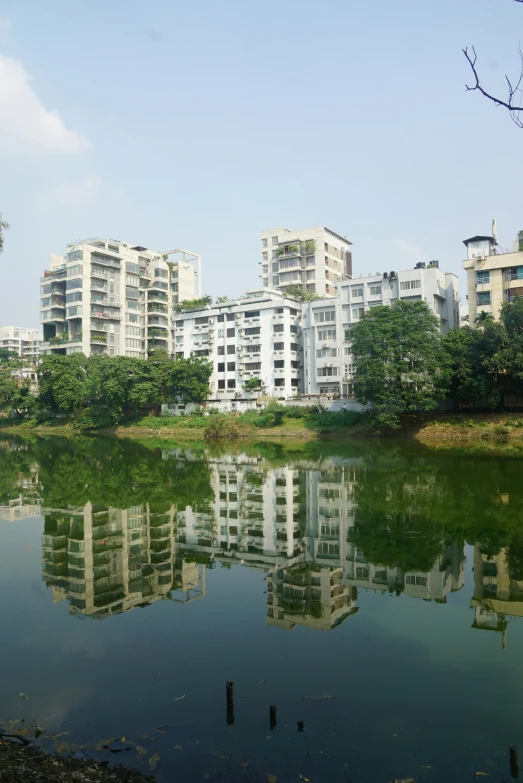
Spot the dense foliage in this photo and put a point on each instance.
(99, 389)
(486, 362)
(398, 362)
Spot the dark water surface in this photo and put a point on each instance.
(384, 575)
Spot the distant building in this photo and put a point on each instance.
(255, 337)
(23, 341)
(494, 276)
(498, 591)
(108, 297)
(315, 258)
(327, 359)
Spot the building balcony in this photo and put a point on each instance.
(98, 285)
(157, 308)
(99, 273)
(98, 338)
(54, 301)
(109, 314)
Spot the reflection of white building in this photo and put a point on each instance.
(498, 594)
(27, 504)
(106, 561)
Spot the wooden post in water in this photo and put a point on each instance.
(272, 717)
(229, 689)
(301, 725)
(514, 762)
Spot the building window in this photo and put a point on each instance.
(231, 332)
(311, 287)
(231, 366)
(295, 365)
(279, 364)
(483, 277)
(231, 383)
(321, 316)
(252, 348)
(309, 260)
(221, 350)
(357, 291)
(264, 243)
(416, 580)
(374, 290)
(265, 256)
(483, 297)
(275, 280)
(231, 349)
(230, 316)
(275, 240)
(221, 366)
(252, 330)
(294, 347)
(279, 346)
(326, 334)
(220, 318)
(277, 328)
(323, 372)
(279, 310)
(514, 273)
(221, 383)
(294, 382)
(252, 366)
(407, 285)
(279, 381)
(265, 269)
(200, 321)
(252, 314)
(221, 332)
(294, 329)
(323, 353)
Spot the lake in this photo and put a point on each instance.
(370, 591)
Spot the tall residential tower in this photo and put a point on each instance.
(315, 258)
(105, 296)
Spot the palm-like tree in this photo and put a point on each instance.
(484, 318)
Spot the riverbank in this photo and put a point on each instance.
(430, 429)
(25, 763)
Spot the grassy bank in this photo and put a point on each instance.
(432, 429)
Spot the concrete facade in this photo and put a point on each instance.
(493, 276)
(108, 297)
(314, 258)
(23, 341)
(327, 360)
(256, 336)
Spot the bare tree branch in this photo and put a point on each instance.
(515, 94)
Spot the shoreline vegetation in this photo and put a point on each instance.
(433, 429)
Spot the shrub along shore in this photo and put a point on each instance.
(280, 422)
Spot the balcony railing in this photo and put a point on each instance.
(100, 313)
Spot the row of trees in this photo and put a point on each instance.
(402, 363)
(100, 389)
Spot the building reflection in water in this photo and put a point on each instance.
(498, 591)
(292, 522)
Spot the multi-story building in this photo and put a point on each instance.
(255, 337)
(108, 297)
(494, 276)
(314, 258)
(327, 361)
(23, 341)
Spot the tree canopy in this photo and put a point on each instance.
(398, 362)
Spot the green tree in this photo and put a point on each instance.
(190, 379)
(399, 365)
(62, 382)
(253, 384)
(10, 358)
(473, 359)
(301, 293)
(4, 225)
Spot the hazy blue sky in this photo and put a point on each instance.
(199, 124)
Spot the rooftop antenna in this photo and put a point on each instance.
(495, 230)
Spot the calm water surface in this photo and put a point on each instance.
(135, 580)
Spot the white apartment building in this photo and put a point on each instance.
(327, 361)
(108, 297)
(23, 341)
(256, 336)
(315, 258)
(494, 276)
